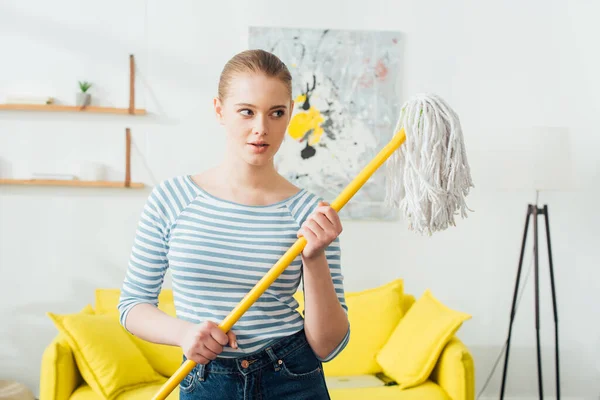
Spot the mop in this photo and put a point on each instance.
(427, 179)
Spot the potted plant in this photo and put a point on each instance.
(83, 97)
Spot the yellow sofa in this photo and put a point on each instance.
(93, 357)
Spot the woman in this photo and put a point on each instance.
(218, 233)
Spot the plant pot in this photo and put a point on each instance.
(83, 99)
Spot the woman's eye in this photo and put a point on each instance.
(246, 112)
(279, 113)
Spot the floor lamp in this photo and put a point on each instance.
(548, 168)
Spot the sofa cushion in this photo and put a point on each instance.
(164, 359)
(106, 356)
(373, 315)
(413, 349)
(455, 370)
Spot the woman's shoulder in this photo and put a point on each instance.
(303, 203)
(305, 193)
(290, 188)
(175, 182)
(298, 195)
(174, 190)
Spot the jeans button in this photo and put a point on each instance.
(245, 363)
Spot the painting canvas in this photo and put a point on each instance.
(347, 102)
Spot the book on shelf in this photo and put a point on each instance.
(51, 176)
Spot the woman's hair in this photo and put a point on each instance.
(256, 61)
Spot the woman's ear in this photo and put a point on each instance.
(218, 109)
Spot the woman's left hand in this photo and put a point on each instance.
(320, 229)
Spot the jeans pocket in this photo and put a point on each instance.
(301, 364)
(188, 384)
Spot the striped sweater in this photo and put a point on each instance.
(216, 251)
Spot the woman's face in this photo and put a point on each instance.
(255, 114)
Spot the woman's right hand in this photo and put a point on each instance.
(203, 342)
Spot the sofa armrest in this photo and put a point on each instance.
(59, 375)
(455, 371)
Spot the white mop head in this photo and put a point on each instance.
(429, 176)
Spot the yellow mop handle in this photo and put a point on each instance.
(286, 259)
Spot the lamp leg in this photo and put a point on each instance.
(537, 300)
(514, 301)
(546, 218)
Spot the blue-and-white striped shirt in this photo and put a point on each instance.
(217, 251)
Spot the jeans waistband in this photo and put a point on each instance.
(252, 362)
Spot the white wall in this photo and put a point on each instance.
(502, 65)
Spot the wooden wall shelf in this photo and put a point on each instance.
(61, 108)
(131, 110)
(59, 182)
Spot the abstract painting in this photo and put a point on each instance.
(347, 102)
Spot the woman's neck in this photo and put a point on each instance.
(242, 175)
(237, 181)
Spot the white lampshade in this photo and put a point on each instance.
(551, 165)
(532, 159)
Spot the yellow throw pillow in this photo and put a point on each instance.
(373, 315)
(163, 358)
(107, 300)
(60, 380)
(299, 297)
(414, 347)
(106, 357)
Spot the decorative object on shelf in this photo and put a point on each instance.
(92, 171)
(5, 168)
(29, 100)
(84, 99)
(54, 177)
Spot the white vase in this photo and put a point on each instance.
(92, 171)
(83, 99)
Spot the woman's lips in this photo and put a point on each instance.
(258, 148)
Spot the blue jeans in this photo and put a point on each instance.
(287, 369)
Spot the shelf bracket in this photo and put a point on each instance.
(131, 84)
(127, 157)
